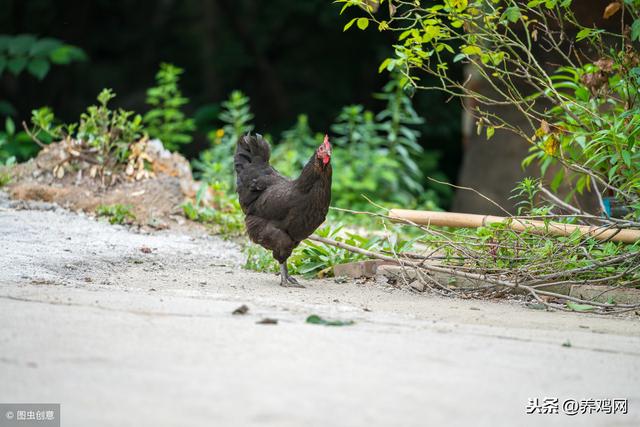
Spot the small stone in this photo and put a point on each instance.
(417, 285)
(243, 309)
(267, 321)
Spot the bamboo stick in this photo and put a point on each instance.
(452, 219)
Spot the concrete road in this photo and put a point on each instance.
(121, 337)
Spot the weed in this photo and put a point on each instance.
(116, 214)
(222, 210)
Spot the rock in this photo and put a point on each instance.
(396, 272)
(594, 292)
(418, 285)
(359, 268)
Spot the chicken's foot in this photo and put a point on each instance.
(286, 280)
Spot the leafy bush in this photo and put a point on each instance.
(25, 51)
(110, 132)
(104, 134)
(592, 125)
(165, 120)
(595, 131)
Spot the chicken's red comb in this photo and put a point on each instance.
(326, 142)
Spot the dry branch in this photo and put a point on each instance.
(451, 219)
(606, 308)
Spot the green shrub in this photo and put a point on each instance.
(589, 122)
(166, 121)
(595, 132)
(110, 132)
(105, 135)
(216, 163)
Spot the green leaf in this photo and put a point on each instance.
(44, 47)
(557, 180)
(314, 319)
(582, 93)
(635, 30)
(349, 24)
(363, 23)
(471, 50)
(66, 54)
(583, 34)
(512, 14)
(384, 65)
(16, 65)
(580, 307)
(490, 131)
(9, 126)
(38, 67)
(21, 44)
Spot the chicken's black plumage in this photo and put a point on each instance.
(281, 212)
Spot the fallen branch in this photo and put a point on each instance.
(535, 293)
(451, 219)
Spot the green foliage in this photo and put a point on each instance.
(5, 176)
(216, 163)
(27, 52)
(110, 132)
(500, 251)
(526, 190)
(5, 169)
(103, 136)
(259, 259)
(222, 211)
(596, 129)
(387, 140)
(15, 144)
(117, 213)
(165, 120)
(593, 124)
(296, 147)
(317, 259)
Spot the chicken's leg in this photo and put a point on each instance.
(286, 280)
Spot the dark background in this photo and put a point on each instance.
(290, 57)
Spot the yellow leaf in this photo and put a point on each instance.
(471, 50)
(611, 10)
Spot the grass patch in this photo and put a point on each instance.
(116, 214)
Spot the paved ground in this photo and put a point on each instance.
(121, 337)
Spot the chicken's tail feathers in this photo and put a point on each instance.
(251, 150)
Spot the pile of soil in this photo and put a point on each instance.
(154, 192)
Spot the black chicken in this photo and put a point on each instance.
(281, 212)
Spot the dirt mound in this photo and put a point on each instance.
(154, 181)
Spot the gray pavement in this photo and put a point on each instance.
(121, 337)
